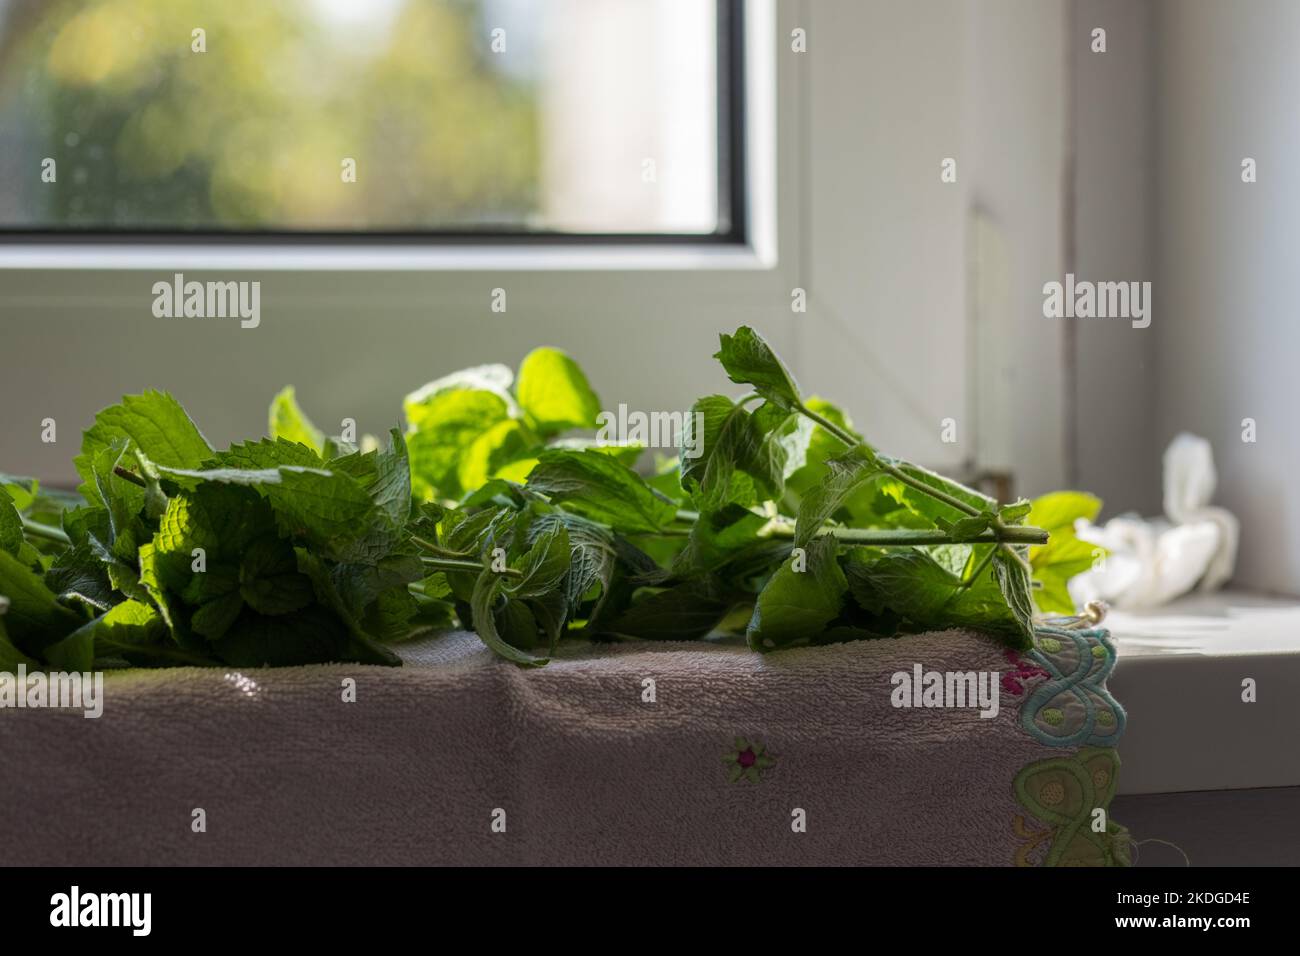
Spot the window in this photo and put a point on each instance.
(420, 119)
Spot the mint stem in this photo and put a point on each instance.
(439, 551)
(456, 564)
(900, 537)
(1002, 533)
(979, 568)
(128, 475)
(45, 531)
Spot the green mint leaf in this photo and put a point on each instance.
(684, 612)
(390, 489)
(267, 453)
(328, 510)
(845, 475)
(34, 618)
(804, 595)
(627, 452)
(593, 554)
(422, 406)
(359, 645)
(269, 581)
(1015, 513)
(749, 360)
(22, 491)
(132, 631)
(444, 427)
(11, 526)
(10, 655)
(543, 566)
(1014, 583)
(916, 593)
(599, 487)
(389, 617)
(967, 529)
(153, 422)
(288, 422)
(555, 393)
(485, 602)
(730, 439)
(1064, 555)
(313, 635)
(505, 442)
(122, 499)
(79, 576)
(923, 504)
(1058, 511)
(715, 539)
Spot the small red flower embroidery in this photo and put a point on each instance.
(747, 760)
(1013, 681)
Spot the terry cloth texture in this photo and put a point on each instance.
(728, 757)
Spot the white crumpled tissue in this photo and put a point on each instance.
(1153, 561)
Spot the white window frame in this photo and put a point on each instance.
(405, 274)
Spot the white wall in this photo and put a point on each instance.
(1118, 442)
(895, 89)
(1227, 330)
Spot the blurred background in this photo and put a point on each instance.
(629, 121)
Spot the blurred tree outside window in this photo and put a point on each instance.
(587, 116)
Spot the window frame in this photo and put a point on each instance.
(732, 202)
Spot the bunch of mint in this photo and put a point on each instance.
(488, 514)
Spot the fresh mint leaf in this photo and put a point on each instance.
(487, 600)
(269, 581)
(445, 426)
(1013, 581)
(846, 474)
(1064, 555)
(554, 392)
(505, 442)
(926, 506)
(153, 422)
(267, 453)
(543, 566)
(730, 439)
(11, 526)
(749, 360)
(804, 595)
(328, 510)
(422, 405)
(684, 612)
(1016, 513)
(290, 423)
(600, 488)
(911, 589)
(79, 577)
(34, 618)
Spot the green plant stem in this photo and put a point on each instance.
(48, 532)
(846, 437)
(900, 537)
(979, 569)
(456, 564)
(439, 551)
(1002, 532)
(128, 475)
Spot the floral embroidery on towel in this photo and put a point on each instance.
(1073, 707)
(1064, 793)
(747, 760)
(1013, 681)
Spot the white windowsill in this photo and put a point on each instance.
(362, 257)
(1180, 679)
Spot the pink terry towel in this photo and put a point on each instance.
(641, 753)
